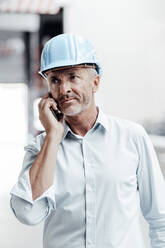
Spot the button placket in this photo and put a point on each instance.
(90, 197)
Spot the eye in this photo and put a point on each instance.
(54, 80)
(73, 77)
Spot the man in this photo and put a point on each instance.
(87, 175)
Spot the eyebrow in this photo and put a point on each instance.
(69, 71)
(72, 72)
(53, 77)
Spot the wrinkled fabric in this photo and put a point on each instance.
(101, 182)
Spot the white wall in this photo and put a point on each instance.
(13, 138)
(130, 40)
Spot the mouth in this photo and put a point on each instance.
(67, 101)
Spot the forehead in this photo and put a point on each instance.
(63, 71)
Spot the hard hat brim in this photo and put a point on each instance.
(84, 65)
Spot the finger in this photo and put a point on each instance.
(42, 98)
(52, 104)
(46, 104)
(46, 95)
(40, 105)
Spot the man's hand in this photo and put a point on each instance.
(51, 125)
(42, 170)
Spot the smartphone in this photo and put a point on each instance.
(57, 113)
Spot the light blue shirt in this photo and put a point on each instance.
(101, 181)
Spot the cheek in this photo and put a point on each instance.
(77, 92)
(54, 91)
(88, 89)
(87, 94)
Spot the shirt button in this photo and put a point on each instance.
(90, 165)
(90, 216)
(89, 188)
(89, 242)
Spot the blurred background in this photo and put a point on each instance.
(129, 36)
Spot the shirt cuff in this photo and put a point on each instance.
(23, 190)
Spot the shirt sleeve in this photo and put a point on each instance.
(151, 186)
(25, 209)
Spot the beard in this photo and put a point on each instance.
(77, 107)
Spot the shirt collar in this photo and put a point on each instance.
(102, 119)
(66, 129)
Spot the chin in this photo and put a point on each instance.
(72, 111)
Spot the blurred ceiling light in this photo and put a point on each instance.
(28, 6)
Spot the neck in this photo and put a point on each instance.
(83, 122)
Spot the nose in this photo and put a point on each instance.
(64, 87)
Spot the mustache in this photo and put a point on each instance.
(65, 97)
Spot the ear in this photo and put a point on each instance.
(96, 82)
